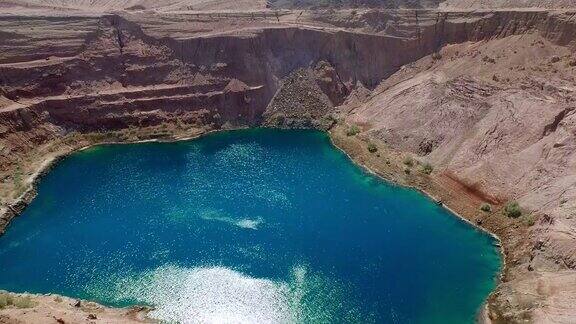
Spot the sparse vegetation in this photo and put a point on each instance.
(408, 161)
(7, 299)
(327, 121)
(331, 118)
(278, 119)
(485, 207)
(512, 209)
(372, 148)
(488, 59)
(97, 137)
(18, 175)
(24, 302)
(530, 220)
(353, 130)
(18, 183)
(427, 168)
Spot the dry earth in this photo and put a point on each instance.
(485, 97)
(58, 309)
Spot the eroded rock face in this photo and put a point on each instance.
(486, 97)
(497, 117)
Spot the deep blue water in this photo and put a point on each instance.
(246, 226)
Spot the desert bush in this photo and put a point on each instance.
(326, 122)
(408, 161)
(436, 56)
(330, 118)
(3, 300)
(372, 148)
(530, 220)
(23, 302)
(19, 187)
(278, 119)
(427, 168)
(6, 299)
(488, 59)
(353, 130)
(97, 136)
(512, 209)
(18, 176)
(485, 207)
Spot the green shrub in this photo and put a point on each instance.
(529, 220)
(512, 209)
(436, 56)
(353, 130)
(408, 161)
(3, 300)
(372, 148)
(19, 187)
(6, 299)
(24, 302)
(427, 168)
(18, 176)
(485, 207)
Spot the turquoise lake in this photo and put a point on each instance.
(251, 226)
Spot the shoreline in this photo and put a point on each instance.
(17, 206)
(20, 203)
(482, 315)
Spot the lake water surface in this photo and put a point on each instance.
(256, 226)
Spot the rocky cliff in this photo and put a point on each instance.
(485, 97)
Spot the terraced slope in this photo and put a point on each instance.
(485, 97)
(132, 5)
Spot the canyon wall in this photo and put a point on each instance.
(486, 97)
(204, 5)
